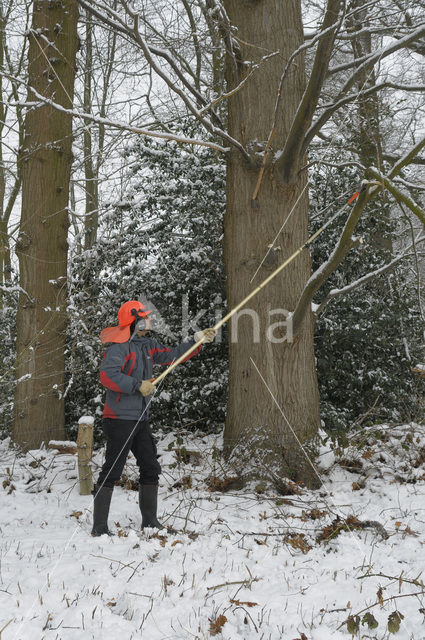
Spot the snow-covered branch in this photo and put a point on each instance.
(407, 158)
(336, 293)
(365, 64)
(326, 32)
(116, 124)
(365, 60)
(307, 106)
(134, 33)
(399, 195)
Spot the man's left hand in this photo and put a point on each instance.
(146, 388)
(207, 335)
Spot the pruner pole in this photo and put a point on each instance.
(265, 282)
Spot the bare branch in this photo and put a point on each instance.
(343, 246)
(304, 115)
(369, 61)
(337, 104)
(196, 44)
(399, 195)
(297, 52)
(407, 158)
(121, 125)
(134, 34)
(336, 293)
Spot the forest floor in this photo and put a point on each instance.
(246, 564)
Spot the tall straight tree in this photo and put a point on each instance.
(259, 370)
(46, 159)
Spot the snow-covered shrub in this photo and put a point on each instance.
(364, 340)
(7, 360)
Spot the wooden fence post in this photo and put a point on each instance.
(85, 450)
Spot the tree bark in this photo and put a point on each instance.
(91, 220)
(45, 158)
(279, 414)
(367, 134)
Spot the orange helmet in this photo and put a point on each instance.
(128, 312)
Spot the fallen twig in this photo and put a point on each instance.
(226, 584)
(399, 578)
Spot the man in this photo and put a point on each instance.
(126, 372)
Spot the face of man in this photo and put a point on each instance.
(148, 327)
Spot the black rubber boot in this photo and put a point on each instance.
(101, 504)
(148, 503)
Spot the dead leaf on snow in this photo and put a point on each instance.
(217, 624)
(246, 604)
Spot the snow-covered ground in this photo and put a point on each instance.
(244, 566)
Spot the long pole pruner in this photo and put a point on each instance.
(243, 302)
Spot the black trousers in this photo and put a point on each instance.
(122, 437)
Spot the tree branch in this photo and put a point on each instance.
(399, 195)
(336, 293)
(339, 252)
(407, 158)
(331, 108)
(287, 163)
(121, 125)
(118, 25)
(369, 61)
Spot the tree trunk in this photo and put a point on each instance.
(367, 134)
(4, 238)
(46, 158)
(91, 219)
(280, 413)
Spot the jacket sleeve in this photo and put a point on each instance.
(111, 375)
(161, 354)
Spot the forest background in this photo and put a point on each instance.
(178, 155)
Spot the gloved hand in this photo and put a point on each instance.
(207, 335)
(146, 388)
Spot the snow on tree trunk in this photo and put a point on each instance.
(278, 413)
(42, 247)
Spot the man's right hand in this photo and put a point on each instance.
(146, 388)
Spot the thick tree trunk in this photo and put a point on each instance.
(279, 413)
(46, 159)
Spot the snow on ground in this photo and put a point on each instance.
(244, 566)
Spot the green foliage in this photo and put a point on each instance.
(394, 621)
(370, 620)
(353, 624)
(362, 361)
(7, 360)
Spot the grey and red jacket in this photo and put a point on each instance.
(123, 368)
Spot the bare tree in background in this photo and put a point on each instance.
(11, 118)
